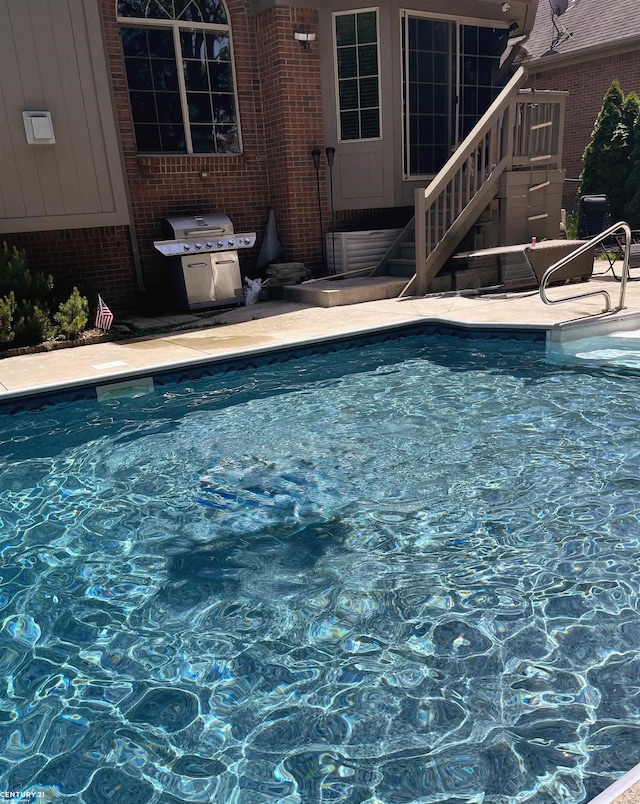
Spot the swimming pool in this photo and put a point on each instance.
(398, 573)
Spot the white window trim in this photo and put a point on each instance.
(355, 11)
(176, 26)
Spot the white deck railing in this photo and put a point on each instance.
(521, 128)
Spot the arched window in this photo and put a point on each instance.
(180, 76)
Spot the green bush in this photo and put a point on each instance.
(7, 309)
(73, 315)
(26, 301)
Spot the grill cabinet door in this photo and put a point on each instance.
(199, 280)
(226, 276)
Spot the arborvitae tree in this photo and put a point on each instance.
(616, 161)
(632, 184)
(605, 144)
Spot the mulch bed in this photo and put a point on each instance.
(86, 338)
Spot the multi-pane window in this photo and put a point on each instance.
(180, 75)
(356, 41)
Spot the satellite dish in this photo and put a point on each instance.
(558, 7)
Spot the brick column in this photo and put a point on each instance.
(292, 117)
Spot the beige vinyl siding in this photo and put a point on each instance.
(52, 59)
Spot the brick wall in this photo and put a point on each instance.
(280, 112)
(587, 83)
(97, 260)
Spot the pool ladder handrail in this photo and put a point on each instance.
(621, 225)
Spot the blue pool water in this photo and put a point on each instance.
(406, 572)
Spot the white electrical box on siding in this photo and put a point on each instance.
(355, 250)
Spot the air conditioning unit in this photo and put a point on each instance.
(348, 251)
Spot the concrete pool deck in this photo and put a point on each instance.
(269, 325)
(272, 325)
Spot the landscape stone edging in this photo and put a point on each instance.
(87, 339)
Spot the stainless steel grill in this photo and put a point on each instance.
(204, 259)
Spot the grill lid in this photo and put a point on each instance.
(201, 233)
(197, 226)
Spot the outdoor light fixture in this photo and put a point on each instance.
(305, 39)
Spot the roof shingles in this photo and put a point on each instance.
(592, 23)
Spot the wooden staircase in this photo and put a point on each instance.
(521, 133)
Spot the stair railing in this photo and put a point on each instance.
(504, 137)
(485, 151)
(595, 241)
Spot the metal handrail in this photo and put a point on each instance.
(621, 225)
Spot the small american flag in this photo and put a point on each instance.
(104, 316)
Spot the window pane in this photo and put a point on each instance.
(161, 44)
(368, 60)
(348, 94)
(346, 29)
(224, 108)
(441, 36)
(440, 68)
(221, 77)
(369, 123)
(172, 138)
(469, 40)
(349, 126)
(188, 10)
(218, 47)
(169, 108)
(369, 92)
(143, 107)
(202, 139)
(227, 140)
(213, 11)
(134, 42)
(192, 44)
(147, 139)
(138, 73)
(347, 65)
(131, 8)
(367, 27)
(199, 107)
(165, 75)
(195, 76)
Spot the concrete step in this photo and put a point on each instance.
(336, 292)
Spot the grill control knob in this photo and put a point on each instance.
(198, 245)
(187, 247)
(209, 244)
(230, 242)
(220, 243)
(247, 240)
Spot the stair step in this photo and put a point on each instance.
(401, 267)
(408, 250)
